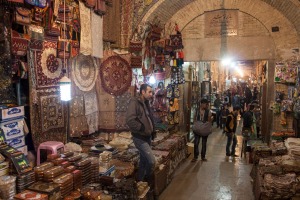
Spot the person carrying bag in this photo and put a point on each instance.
(202, 128)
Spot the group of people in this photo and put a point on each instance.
(227, 121)
(141, 124)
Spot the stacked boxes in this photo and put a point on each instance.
(12, 128)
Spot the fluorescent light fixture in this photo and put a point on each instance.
(65, 88)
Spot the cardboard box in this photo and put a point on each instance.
(11, 113)
(16, 142)
(23, 149)
(12, 129)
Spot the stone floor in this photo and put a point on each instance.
(217, 179)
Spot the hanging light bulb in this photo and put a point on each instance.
(152, 79)
(65, 88)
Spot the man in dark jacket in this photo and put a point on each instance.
(248, 119)
(217, 105)
(140, 122)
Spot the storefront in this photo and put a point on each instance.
(69, 69)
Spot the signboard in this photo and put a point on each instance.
(221, 23)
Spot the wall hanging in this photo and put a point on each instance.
(116, 75)
(84, 72)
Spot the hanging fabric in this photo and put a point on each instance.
(97, 35)
(86, 35)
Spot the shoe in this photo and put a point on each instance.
(143, 188)
(234, 155)
(204, 159)
(227, 154)
(194, 159)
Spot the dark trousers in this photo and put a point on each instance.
(218, 116)
(231, 139)
(196, 146)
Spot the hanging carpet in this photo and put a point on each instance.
(51, 112)
(48, 118)
(116, 75)
(78, 126)
(48, 67)
(122, 102)
(84, 72)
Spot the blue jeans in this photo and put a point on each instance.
(147, 159)
(231, 137)
(196, 146)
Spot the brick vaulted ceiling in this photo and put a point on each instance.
(269, 12)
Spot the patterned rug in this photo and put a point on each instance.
(84, 72)
(51, 112)
(121, 121)
(107, 121)
(78, 126)
(122, 102)
(106, 102)
(36, 45)
(126, 22)
(48, 68)
(116, 75)
(47, 118)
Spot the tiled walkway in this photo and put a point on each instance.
(216, 179)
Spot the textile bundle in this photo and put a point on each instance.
(280, 187)
(293, 146)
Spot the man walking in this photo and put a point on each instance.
(217, 105)
(140, 122)
(204, 115)
(230, 128)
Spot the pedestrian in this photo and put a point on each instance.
(217, 105)
(204, 115)
(230, 129)
(224, 113)
(140, 122)
(248, 120)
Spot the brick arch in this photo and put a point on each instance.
(166, 9)
(266, 11)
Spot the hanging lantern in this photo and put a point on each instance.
(65, 88)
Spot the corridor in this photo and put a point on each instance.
(216, 179)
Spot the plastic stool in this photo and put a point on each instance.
(52, 146)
